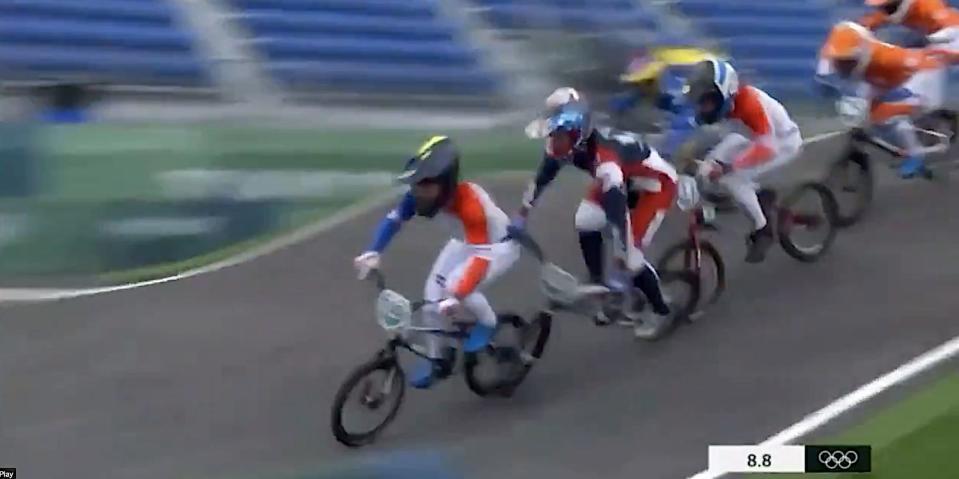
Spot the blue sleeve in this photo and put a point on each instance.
(681, 127)
(623, 102)
(548, 169)
(391, 224)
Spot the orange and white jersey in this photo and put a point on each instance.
(477, 221)
(473, 216)
(768, 122)
(925, 16)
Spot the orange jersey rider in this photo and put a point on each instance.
(890, 76)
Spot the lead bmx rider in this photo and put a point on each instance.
(620, 162)
(475, 257)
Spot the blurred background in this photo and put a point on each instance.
(145, 137)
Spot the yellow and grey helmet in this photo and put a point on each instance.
(436, 161)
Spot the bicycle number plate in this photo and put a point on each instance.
(393, 310)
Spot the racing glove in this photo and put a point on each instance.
(365, 263)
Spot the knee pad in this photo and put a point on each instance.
(590, 217)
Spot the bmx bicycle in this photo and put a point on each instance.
(852, 176)
(697, 255)
(791, 216)
(565, 293)
(394, 313)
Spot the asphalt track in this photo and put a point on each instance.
(231, 374)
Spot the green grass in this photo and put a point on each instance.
(87, 169)
(917, 438)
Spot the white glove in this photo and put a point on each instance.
(448, 306)
(365, 263)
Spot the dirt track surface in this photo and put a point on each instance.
(232, 374)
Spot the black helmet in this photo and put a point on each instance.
(712, 83)
(436, 161)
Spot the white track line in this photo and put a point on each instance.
(23, 295)
(850, 401)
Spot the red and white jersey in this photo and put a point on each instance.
(768, 122)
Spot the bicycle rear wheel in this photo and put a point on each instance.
(373, 396)
(513, 352)
(704, 263)
(794, 218)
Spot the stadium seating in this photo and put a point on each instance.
(114, 41)
(778, 40)
(381, 46)
(775, 40)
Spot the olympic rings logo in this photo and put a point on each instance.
(838, 459)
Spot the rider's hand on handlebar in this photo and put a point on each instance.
(449, 306)
(365, 263)
(710, 169)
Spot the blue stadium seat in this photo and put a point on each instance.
(328, 23)
(114, 41)
(134, 67)
(381, 46)
(582, 15)
(778, 39)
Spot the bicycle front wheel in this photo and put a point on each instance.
(704, 263)
(514, 351)
(376, 386)
(851, 180)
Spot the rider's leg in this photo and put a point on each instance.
(425, 370)
(891, 114)
(590, 221)
(644, 221)
(742, 185)
(501, 256)
(742, 188)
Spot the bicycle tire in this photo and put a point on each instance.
(783, 226)
(864, 185)
(686, 249)
(505, 387)
(354, 440)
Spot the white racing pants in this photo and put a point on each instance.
(741, 184)
(446, 273)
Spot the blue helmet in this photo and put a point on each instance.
(568, 128)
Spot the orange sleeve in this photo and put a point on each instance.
(874, 19)
(470, 210)
(751, 112)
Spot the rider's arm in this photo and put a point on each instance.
(624, 102)
(472, 213)
(391, 224)
(548, 169)
(752, 113)
(682, 126)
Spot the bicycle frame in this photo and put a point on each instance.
(941, 145)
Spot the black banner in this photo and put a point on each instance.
(838, 459)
